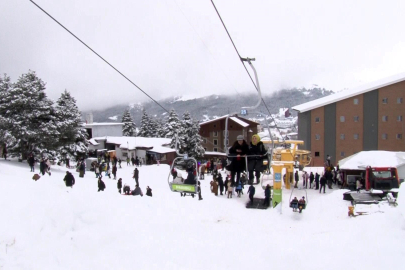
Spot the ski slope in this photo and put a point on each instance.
(45, 225)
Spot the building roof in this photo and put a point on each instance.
(103, 124)
(233, 118)
(361, 160)
(349, 93)
(131, 143)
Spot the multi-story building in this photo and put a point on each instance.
(213, 132)
(369, 117)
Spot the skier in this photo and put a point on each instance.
(119, 185)
(69, 179)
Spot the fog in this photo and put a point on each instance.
(178, 47)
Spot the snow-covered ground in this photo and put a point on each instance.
(45, 225)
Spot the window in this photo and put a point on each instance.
(399, 118)
(356, 136)
(399, 100)
(342, 119)
(399, 136)
(317, 154)
(317, 137)
(215, 133)
(342, 136)
(384, 136)
(342, 154)
(204, 140)
(385, 100)
(215, 142)
(356, 118)
(355, 101)
(215, 149)
(385, 118)
(317, 119)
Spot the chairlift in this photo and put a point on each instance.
(298, 204)
(181, 166)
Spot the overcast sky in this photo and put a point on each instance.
(179, 47)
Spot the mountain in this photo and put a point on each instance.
(209, 107)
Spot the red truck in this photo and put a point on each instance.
(381, 178)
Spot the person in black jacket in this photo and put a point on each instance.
(311, 179)
(220, 183)
(267, 196)
(296, 178)
(101, 184)
(251, 192)
(42, 166)
(136, 176)
(317, 181)
(119, 185)
(323, 184)
(31, 162)
(237, 154)
(69, 179)
(148, 191)
(256, 156)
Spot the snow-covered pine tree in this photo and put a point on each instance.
(129, 128)
(144, 130)
(172, 126)
(31, 115)
(5, 135)
(186, 133)
(72, 133)
(153, 127)
(161, 132)
(196, 149)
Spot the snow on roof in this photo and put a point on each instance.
(93, 142)
(362, 159)
(103, 124)
(349, 93)
(235, 119)
(137, 142)
(209, 153)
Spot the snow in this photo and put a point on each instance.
(104, 124)
(46, 225)
(374, 159)
(115, 118)
(349, 93)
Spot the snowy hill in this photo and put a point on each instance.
(206, 108)
(46, 225)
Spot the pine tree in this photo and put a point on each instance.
(72, 133)
(6, 137)
(129, 128)
(31, 116)
(161, 131)
(196, 149)
(172, 127)
(144, 130)
(186, 133)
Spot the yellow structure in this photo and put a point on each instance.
(288, 158)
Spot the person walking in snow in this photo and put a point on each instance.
(316, 181)
(267, 196)
(136, 176)
(305, 177)
(323, 184)
(296, 178)
(199, 191)
(69, 179)
(311, 179)
(31, 162)
(82, 169)
(251, 192)
(221, 184)
(48, 166)
(119, 185)
(100, 184)
(239, 188)
(114, 171)
(42, 166)
(128, 160)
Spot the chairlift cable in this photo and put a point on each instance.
(99, 55)
(243, 62)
